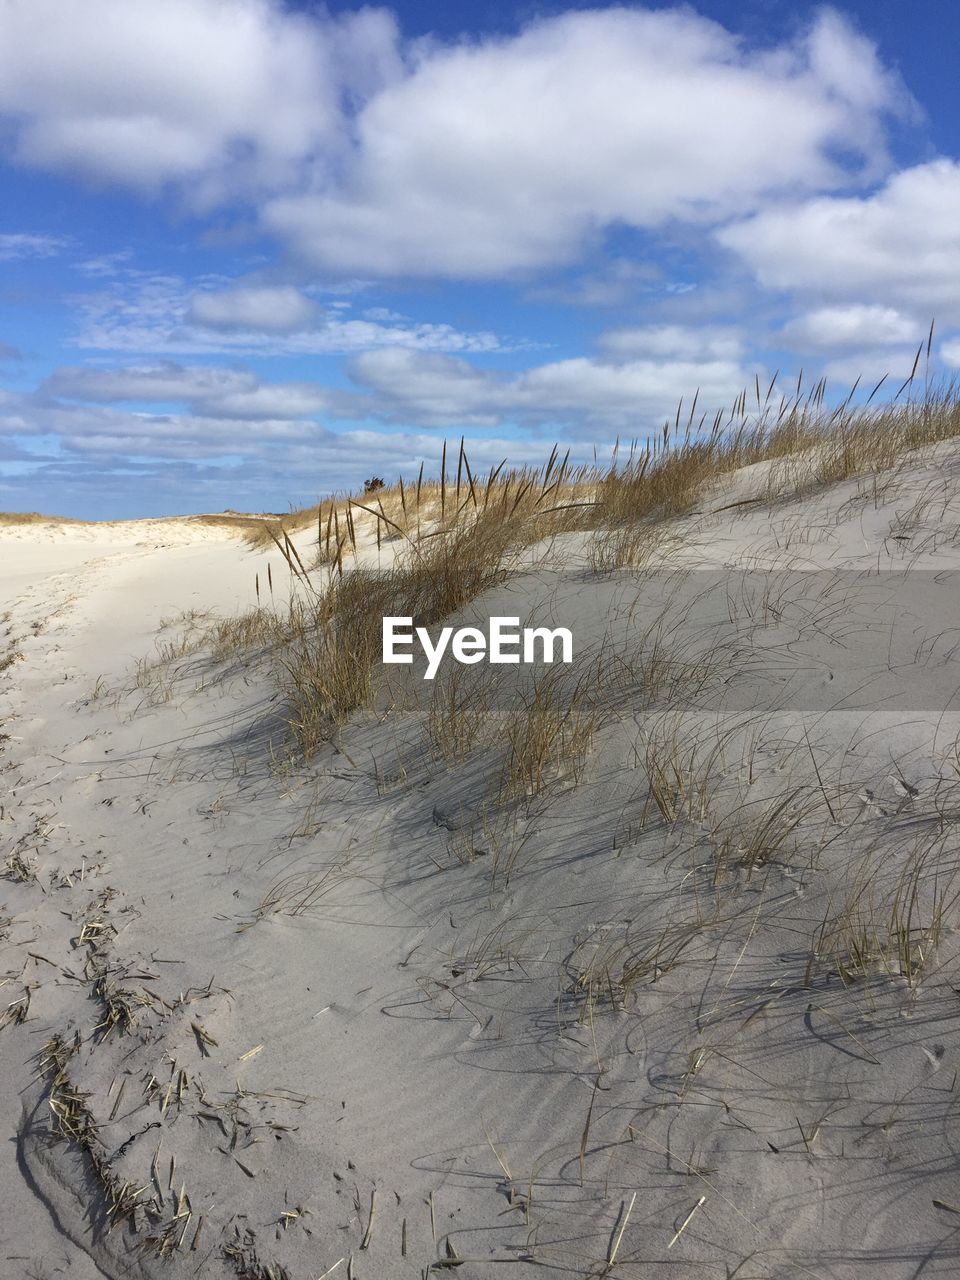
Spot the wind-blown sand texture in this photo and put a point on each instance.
(678, 1000)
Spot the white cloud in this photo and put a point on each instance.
(899, 246)
(140, 312)
(859, 325)
(472, 158)
(220, 94)
(273, 400)
(134, 433)
(23, 245)
(393, 385)
(383, 315)
(177, 436)
(512, 154)
(637, 393)
(862, 342)
(104, 264)
(844, 63)
(866, 368)
(632, 395)
(612, 283)
(208, 390)
(147, 383)
(267, 308)
(222, 460)
(673, 340)
(430, 389)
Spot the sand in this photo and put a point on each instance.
(353, 1014)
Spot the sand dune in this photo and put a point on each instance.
(685, 1005)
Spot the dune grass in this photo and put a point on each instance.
(453, 537)
(34, 517)
(893, 914)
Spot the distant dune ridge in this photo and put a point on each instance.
(642, 964)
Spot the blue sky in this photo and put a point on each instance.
(252, 252)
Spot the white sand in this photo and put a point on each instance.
(332, 1001)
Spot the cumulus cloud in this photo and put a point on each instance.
(891, 365)
(219, 94)
(177, 436)
(858, 342)
(267, 308)
(860, 325)
(898, 246)
(142, 312)
(368, 154)
(673, 340)
(209, 391)
(512, 154)
(431, 389)
(134, 433)
(595, 397)
(632, 395)
(272, 400)
(7, 352)
(147, 383)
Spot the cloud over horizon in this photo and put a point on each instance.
(864, 247)
(250, 230)
(365, 152)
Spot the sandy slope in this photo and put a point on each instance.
(358, 987)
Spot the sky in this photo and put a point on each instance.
(253, 252)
